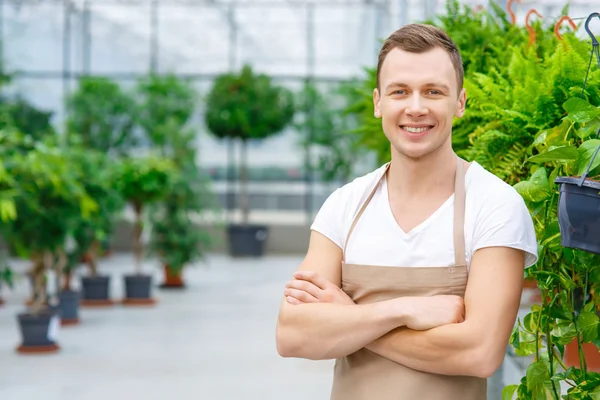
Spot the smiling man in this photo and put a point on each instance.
(413, 275)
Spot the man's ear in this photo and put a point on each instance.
(377, 103)
(462, 101)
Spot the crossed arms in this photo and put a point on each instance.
(437, 334)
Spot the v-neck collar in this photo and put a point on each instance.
(426, 222)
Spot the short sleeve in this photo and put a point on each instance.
(330, 219)
(505, 221)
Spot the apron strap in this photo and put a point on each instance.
(363, 208)
(459, 212)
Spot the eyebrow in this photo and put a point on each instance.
(431, 84)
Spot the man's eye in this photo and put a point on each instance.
(435, 92)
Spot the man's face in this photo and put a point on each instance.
(417, 101)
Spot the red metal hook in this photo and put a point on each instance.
(513, 17)
(560, 21)
(528, 25)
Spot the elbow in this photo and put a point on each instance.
(286, 346)
(289, 343)
(486, 361)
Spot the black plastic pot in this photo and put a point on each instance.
(95, 288)
(69, 307)
(247, 240)
(37, 331)
(138, 287)
(579, 213)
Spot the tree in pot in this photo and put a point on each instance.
(142, 181)
(175, 238)
(8, 213)
(247, 106)
(167, 104)
(50, 199)
(96, 170)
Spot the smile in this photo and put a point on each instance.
(416, 129)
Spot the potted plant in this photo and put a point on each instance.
(562, 330)
(141, 182)
(579, 201)
(247, 106)
(97, 172)
(50, 199)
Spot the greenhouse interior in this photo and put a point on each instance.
(163, 162)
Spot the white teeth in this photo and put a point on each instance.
(414, 130)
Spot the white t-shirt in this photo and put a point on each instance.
(495, 215)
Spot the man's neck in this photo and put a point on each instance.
(414, 178)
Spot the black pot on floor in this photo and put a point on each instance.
(38, 331)
(138, 287)
(247, 240)
(579, 213)
(69, 307)
(95, 287)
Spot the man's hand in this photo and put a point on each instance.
(310, 287)
(433, 311)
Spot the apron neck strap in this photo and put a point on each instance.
(459, 212)
(363, 208)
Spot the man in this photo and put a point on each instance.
(414, 272)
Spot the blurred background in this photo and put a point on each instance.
(171, 155)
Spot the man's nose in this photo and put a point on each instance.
(416, 107)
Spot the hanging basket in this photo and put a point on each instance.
(579, 213)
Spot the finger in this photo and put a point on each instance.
(313, 277)
(293, 300)
(305, 286)
(300, 295)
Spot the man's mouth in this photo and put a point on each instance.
(416, 129)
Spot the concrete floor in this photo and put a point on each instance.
(214, 341)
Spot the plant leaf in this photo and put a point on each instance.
(588, 324)
(509, 391)
(536, 189)
(538, 380)
(586, 152)
(561, 153)
(580, 110)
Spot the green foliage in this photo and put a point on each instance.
(144, 180)
(103, 115)
(247, 106)
(324, 128)
(166, 105)
(568, 278)
(20, 115)
(96, 172)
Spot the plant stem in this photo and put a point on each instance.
(562, 364)
(93, 256)
(137, 237)
(244, 179)
(582, 363)
(550, 348)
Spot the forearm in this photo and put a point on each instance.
(453, 349)
(320, 331)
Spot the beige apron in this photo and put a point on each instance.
(365, 375)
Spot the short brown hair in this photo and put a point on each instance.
(419, 38)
